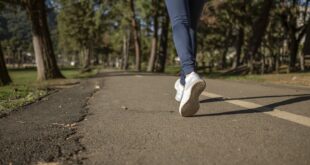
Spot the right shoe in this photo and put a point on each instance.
(194, 86)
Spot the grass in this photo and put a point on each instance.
(293, 79)
(25, 89)
(174, 70)
(219, 75)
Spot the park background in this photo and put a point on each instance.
(44, 41)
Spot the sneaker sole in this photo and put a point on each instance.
(192, 105)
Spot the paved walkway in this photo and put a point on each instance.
(134, 120)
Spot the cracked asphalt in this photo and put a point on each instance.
(132, 118)
(45, 131)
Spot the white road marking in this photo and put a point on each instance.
(273, 112)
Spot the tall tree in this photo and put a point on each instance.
(238, 46)
(295, 30)
(17, 38)
(126, 39)
(240, 34)
(155, 11)
(163, 45)
(136, 34)
(306, 49)
(259, 28)
(45, 58)
(4, 75)
(77, 29)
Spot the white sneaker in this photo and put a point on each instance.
(179, 90)
(194, 86)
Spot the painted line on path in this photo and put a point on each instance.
(302, 120)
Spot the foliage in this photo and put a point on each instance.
(17, 35)
(224, 31)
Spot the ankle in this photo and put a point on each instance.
(189, 73)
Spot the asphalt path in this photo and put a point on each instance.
(132, 118)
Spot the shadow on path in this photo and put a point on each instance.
(265, 108)
(246, 98)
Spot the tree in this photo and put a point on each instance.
(126, 39)
(136, 35)
(259, 29)
(4, 75)
(306, 49)
(289, 18)
(163, 45)
(153, 53)
(240, 34)
(77, 29)
(17, 39)
(45, 58)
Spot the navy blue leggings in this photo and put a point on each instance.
(184, 16)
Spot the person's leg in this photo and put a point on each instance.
(182, 77)
(180, 19)
(195, 9)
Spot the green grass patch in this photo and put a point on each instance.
(219, 75)
(25, 89)
(295, 79)
(172, 70)
(14, 96)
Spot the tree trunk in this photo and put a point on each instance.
(290, 23)
(95, 57)
(45, 58)
(259, 28)
(135, 28)
(21, 58)
(294, 43)
(224, 61)
(226, 47)
(302, 61)
(126, 39)
(110, 63)
(86, 56)
(293, 48)
(238, 47)
(306, 49)
(162, 56)
(277, 63)
(262, 67)
(4, 75)
(151, 63)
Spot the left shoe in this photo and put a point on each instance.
(194, 86)
(179, 90)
